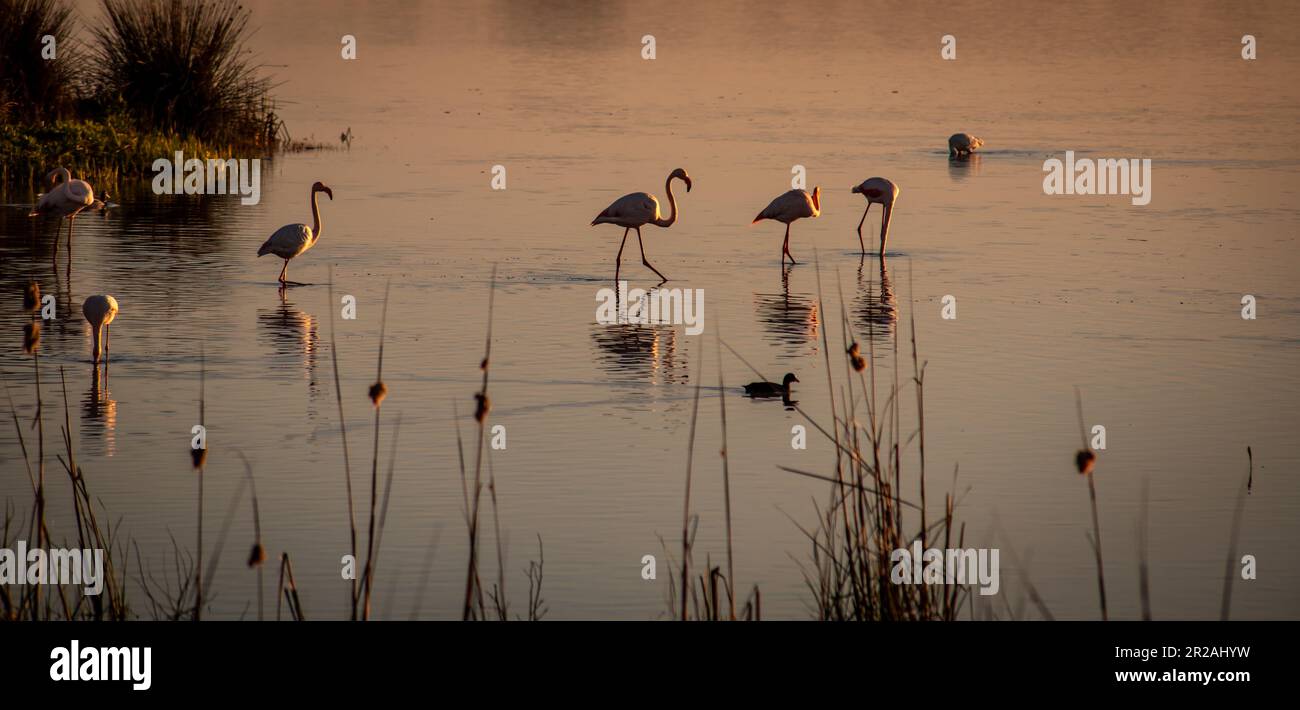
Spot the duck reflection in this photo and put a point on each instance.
(790, 319)
(635, 352)
(293, 335)
(960, 168)
(875, 308)
(99, 413)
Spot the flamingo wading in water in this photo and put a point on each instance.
(99, 312)
(293, 239)
(795, 204)
(66, 198)
(880, 191)
(638, 209)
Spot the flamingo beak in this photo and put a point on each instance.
(687, 180)
(327, 191)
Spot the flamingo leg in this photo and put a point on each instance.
(884, 229)
(860, 223)
(284, 271)
(647, 261)
(785, 247)
(618, 260)
(107, 330)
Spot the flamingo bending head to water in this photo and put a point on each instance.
(880, 191)
(795, 204)
(293, 239)
(638, 209)
(99, 312)
(963, 144)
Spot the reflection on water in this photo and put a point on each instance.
(789, 320)
(640, 353)
(875, 308)
(962, 167)
(99, 414)
(559, 89)
(293, 335)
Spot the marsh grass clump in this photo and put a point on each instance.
(32, 84)
(162, 76)
(866, 518)
(179, 66)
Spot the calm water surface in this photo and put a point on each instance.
(1138, 306)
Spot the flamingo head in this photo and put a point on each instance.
(857, 189)
(680, 173)
(322, 187)
(817, 198)
(976, 142)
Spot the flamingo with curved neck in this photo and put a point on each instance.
(672, 199)
(67, 198)
(638, 209)
(293, 239)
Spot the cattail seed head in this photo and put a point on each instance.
(1085, 460)
(855, 357)
(378, 391)
(31, 296)
(482, 406)
(31, 337)
(257, 556)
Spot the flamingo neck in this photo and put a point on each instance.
(316, 225)
(95, 350)
(672, 204)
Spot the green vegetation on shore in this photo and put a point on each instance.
(156, 77)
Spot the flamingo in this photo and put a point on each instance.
(638, 209)
(293, 239)
(99, 311)
(795, 204)
(960, 144)
(66, 199)
(884, 192)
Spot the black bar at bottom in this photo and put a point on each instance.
(296, 660)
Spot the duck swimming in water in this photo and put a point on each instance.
(771, 389)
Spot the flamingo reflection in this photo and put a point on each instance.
(634, 352)
(875, 306)
(791, 320)
(292, 334)
(99, 411)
